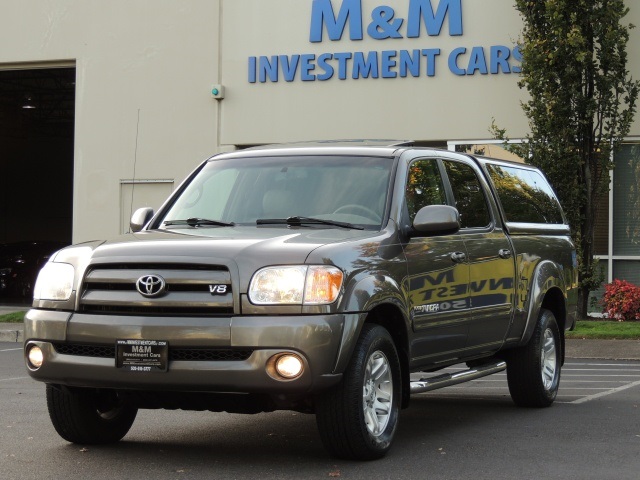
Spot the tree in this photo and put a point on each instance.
(582, 102)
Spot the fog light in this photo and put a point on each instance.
(289, 366)
(35, 357)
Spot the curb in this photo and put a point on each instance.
(16, 335)
(603, 349)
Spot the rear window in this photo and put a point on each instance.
(525, 195)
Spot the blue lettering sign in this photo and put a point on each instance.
(410, 62)
(252, 69)
(389, 62)
(517, 54)
(335, 16)
(422, 10)
(322, 15)
(500, 59)
(323, 63)
(308, 67)
(365, 67)
(289, 67)
(342, 64)
(431, 54)
(477, 62)
(384, 23)
(268, 68)
(453, 61)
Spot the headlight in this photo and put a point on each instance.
(296, 285)
(55, 282)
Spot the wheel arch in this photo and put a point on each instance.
(547, 292)
(390, 317)
(380, 300)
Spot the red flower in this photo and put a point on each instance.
(621, 300)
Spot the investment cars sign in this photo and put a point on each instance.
(415, 19)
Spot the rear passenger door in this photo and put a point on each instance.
(490, 257)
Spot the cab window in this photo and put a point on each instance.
(525, 194)
(468, 195)
(424, 186)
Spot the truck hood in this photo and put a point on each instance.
(249, 248)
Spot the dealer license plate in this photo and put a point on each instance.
(142, 355)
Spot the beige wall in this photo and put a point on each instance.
(157, 60)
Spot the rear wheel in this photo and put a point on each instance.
(87, 417)
(358, 419)
(533, 371)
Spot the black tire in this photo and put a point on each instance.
(533, 371)
(88, 418)
(347, 415)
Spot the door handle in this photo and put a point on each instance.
(458, 257)
(504, 253)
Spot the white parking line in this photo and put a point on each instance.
(603, 394)
(10, 349)
(613, 365)
(11, 379)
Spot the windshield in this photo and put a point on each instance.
(352, 190)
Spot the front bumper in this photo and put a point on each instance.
(317, 339)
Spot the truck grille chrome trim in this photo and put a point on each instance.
(115, 289)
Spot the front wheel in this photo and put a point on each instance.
(87, 417)
(533, 371)
(358, 419)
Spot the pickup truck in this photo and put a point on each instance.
(330, 278)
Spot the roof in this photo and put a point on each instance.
(371, 148)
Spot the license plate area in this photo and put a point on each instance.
(142, 355)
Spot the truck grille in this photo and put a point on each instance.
(190, 290)
(212, 354)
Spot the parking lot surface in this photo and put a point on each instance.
(470, 431)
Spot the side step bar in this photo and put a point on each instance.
(447, 379)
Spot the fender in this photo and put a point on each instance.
(360, 298)
(546, 276)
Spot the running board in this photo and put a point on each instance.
(447, 379)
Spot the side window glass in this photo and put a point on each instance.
(525, 195)
(469, 196)
(424, 186)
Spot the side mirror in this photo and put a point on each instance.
(437, 220)
(140, 218)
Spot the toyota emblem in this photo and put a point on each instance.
(151, 285)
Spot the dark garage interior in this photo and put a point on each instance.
(37, 112)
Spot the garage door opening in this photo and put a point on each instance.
(37, 114)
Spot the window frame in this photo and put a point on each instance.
(487, 192)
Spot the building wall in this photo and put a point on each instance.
(145, 70)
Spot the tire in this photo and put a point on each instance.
(89, 418)
(358, 419)
(533, 371)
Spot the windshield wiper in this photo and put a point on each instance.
(197, 222)
(305, 221)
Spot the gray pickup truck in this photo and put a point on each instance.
(320, 278)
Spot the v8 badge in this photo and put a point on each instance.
(218, 289)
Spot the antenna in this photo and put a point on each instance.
(135, 161)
